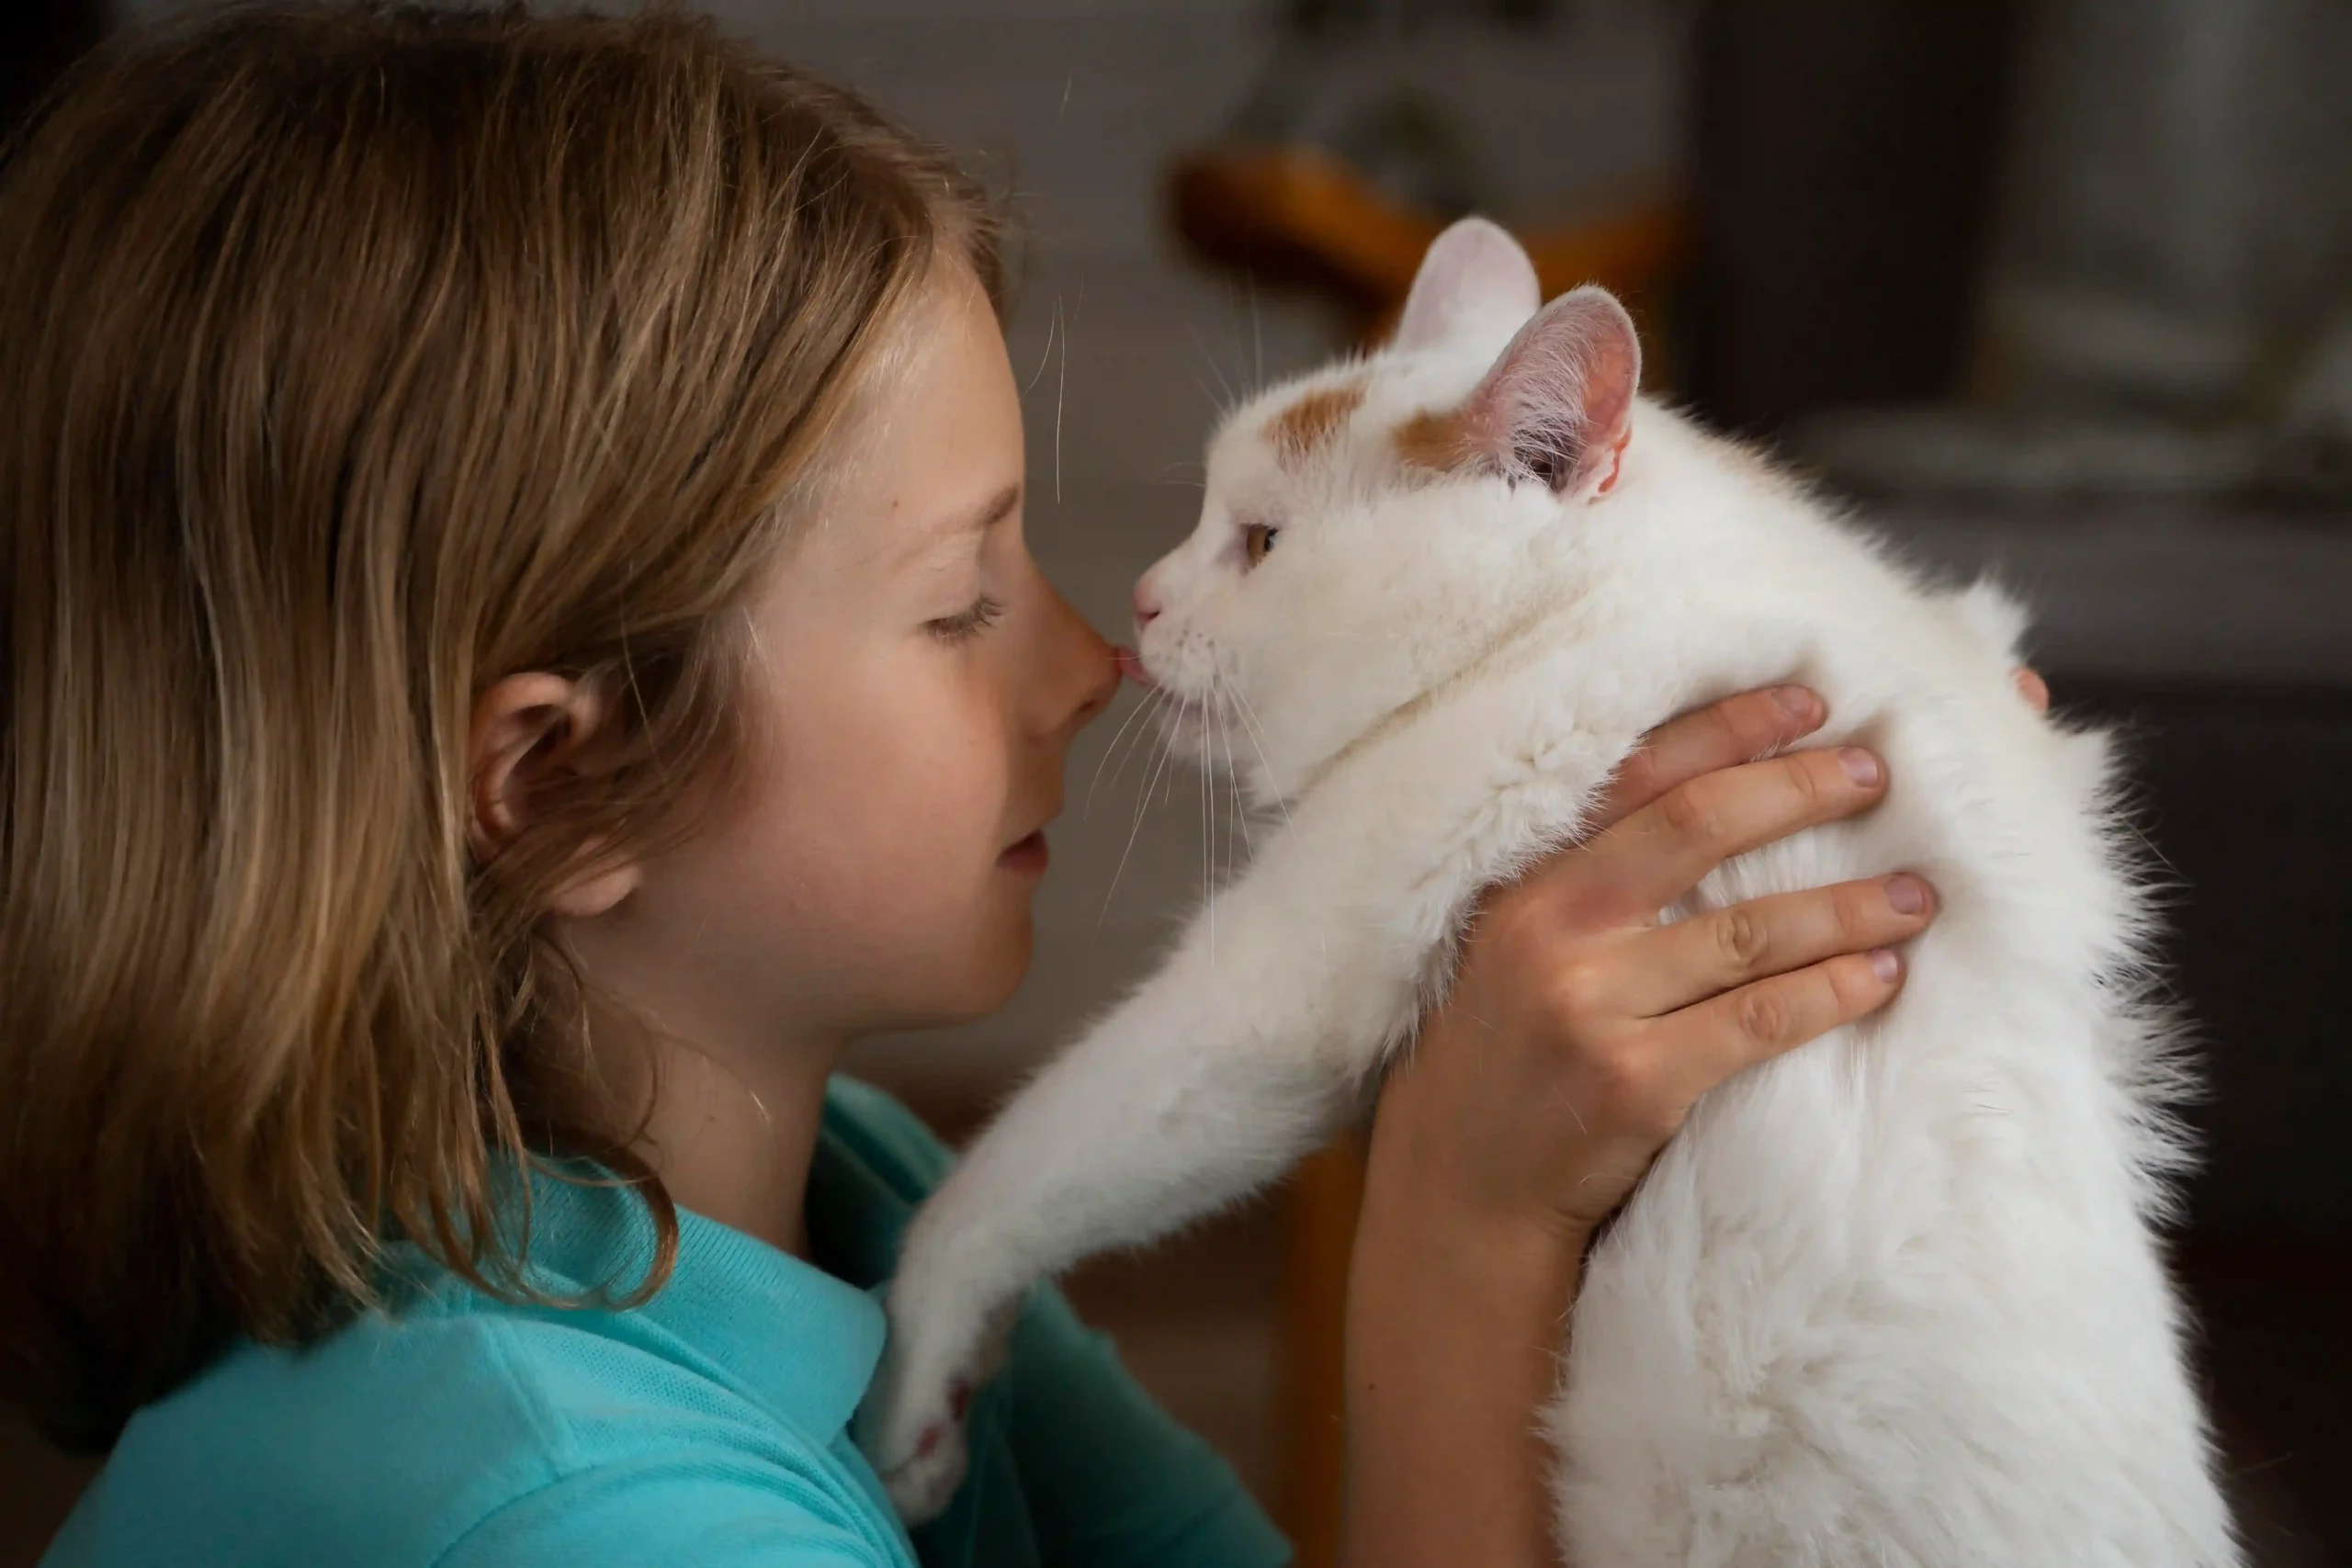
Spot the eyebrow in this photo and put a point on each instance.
(931, 543)
(998, 507)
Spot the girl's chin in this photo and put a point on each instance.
(985, 983)
(1005, 965)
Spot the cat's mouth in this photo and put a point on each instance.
(1213, 729)
(1194, 718)
(1131, 665)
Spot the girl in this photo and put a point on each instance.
(520, 647)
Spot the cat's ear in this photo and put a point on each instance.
(1475, 278)
(1557, 408)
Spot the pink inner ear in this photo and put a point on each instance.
(1612, 377)
(1558, 404)
(1616, 465)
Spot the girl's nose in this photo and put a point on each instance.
(1099, 694)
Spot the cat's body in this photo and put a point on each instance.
(1893, 1298)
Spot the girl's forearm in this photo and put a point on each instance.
(1455, 1328)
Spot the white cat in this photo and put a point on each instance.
(1892, 1298)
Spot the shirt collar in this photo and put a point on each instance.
(798, 1339)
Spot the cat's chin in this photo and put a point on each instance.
(1209, 732)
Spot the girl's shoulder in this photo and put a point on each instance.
(710, 1424)
(466, 1428)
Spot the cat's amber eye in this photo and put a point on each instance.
(1257, 539)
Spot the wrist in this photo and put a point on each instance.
(1424, 1179)
(1428, 1257)
(1456, 1318)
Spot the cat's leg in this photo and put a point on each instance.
(1208, 1082)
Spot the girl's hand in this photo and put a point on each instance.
(1577, 1035)
(1580, 1031)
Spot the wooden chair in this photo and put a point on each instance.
(1297, 215)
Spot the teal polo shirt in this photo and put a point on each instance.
(709, 1427)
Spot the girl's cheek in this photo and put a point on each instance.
(952, 764)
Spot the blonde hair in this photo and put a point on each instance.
(359, 358)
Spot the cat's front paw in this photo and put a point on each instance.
(914, 1431)
(921, 1453)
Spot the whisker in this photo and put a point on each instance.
(1061, 389)
(1249, 722)
(1257, 334)
(1208, 829)
(1251, 386)
(1053, 332)
(1208, 394)
(1159, 699)
(1087, 811)
(1143, 802)
(1235, 860)
(1240, 805)
(1250, 726)
(1226, 403)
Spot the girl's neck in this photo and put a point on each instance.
(732, 1134)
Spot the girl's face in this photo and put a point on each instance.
(921, 686)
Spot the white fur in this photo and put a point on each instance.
(1892, 1299)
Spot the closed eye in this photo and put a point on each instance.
(968, 623)
(1257, 539)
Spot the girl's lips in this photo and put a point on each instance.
(1029, 856)
(1131, 666)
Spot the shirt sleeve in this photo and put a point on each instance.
(680, 1513)
(1113, 1481)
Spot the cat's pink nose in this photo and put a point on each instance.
(1146, 605)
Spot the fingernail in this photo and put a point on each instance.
(1905, 893)
(1798, 703)
(1860, 765)
(1885, 965)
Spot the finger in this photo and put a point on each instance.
(1723, 735)
(1691, 960)
(1659, 852)
(2032, 687)
(1704, 1044)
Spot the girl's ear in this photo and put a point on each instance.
(527, 730)
(1474, 276)
(1558, 405)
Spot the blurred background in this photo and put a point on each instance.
(2059, 288)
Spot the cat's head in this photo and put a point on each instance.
(1372, 529)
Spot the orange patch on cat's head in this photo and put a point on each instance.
(1306, 424)
(1434, 439)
